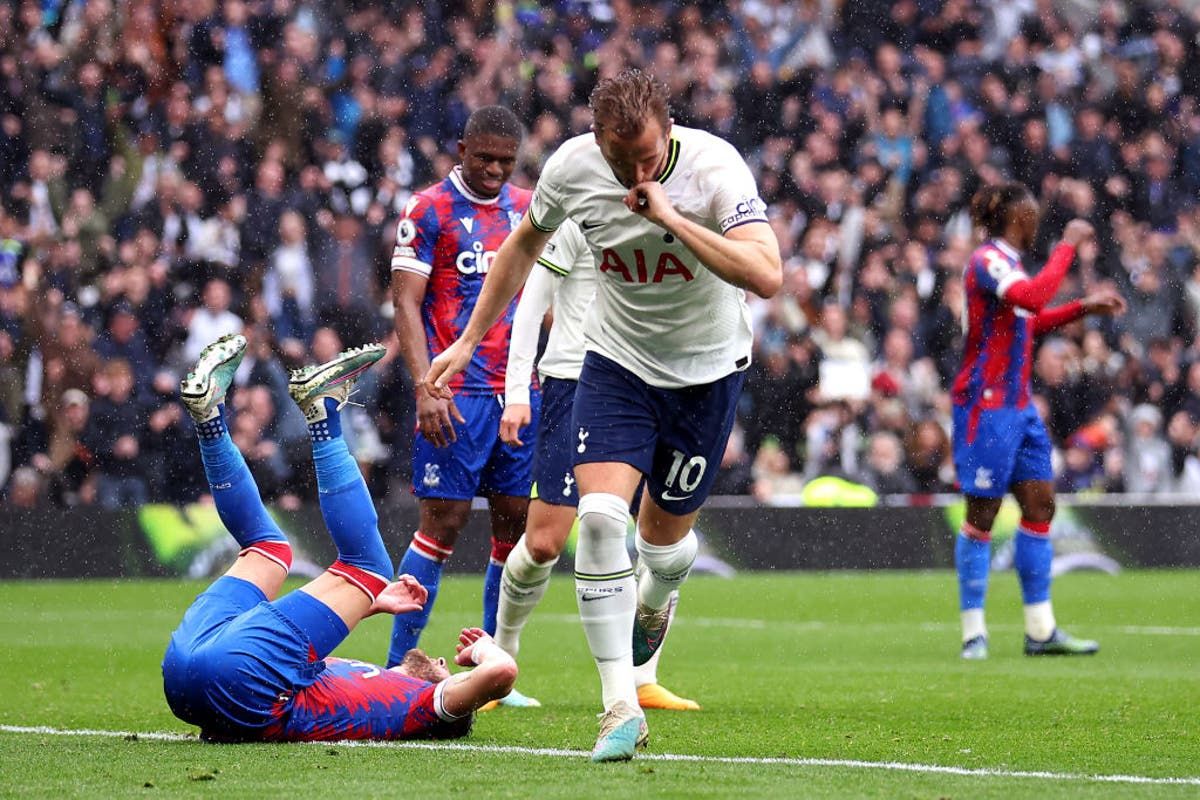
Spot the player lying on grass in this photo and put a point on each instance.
(248, 665)
(1000, 442)
(564, 278)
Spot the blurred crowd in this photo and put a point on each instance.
(174, 171)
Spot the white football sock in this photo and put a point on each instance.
(522, 586)
(972, 624)
(647, 673)
(1039, 621)
(607, 593)
(667, 567)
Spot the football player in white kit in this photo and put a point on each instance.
(567, 284)
(678, 232)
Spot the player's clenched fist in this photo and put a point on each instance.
(1078, 231)
(649, 200)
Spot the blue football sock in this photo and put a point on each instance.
(1032, 561)
(325, 629)
(491, 595)
(346, 504)
(424, 563)
(234, 491)
(972, 560)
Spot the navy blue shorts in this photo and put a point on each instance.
(553, 460)
(675, 437)
(995, 448)
(478, 464)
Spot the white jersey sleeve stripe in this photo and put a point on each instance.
(411, 265)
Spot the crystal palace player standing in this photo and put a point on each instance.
(445, 245)
(677, 229)
(1000, 442)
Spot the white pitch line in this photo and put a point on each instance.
(820, 625)
(552, 752)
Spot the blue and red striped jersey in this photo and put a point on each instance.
(451, 235)
(357, 700)
(997, 353)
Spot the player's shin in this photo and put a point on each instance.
(236, 495)
(347, 507)
(605, 590)
(522, 585)
(666, 568)
(491, 583)
(423, 560)
(972, 561)
(1033, 559)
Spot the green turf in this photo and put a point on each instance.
(838, 666)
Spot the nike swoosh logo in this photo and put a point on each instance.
(669, 496)
(587, 598)
(587, 226)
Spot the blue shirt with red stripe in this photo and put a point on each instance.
(997, 354)
(451, 235)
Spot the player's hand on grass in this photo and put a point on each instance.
(649, 200)
(1106, 301)
(515, 417)
(468, 641)
(1078, 231)
(436, 417)
(401, 596)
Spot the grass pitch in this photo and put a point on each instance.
(815, 679)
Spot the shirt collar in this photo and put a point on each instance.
(456, 178)
(1007, 249)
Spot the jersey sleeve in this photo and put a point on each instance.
(565, 250)
(526, 327)
(735, 199)
(546, 210)
(416, 236)
(995, 274)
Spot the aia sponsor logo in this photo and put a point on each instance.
(640, 271)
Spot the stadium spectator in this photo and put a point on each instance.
(145, 153)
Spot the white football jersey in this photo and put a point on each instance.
(568, 285)
(659, 312)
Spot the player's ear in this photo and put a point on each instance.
(462, 150)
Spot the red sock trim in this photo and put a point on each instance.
(1035, 528)
(279, 552)
(431, 548)
(971, 532)
(500, 550)
(370, 583)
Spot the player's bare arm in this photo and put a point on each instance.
(435, 415)
(746, 256)
(492, 677)
(508, 272)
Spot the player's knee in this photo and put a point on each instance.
(603, 514)
(1040, 509)
(542, 550)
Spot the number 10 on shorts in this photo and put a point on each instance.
(683, 476)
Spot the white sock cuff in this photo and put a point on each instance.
(522, 567)
(607, 505)
(669, 557)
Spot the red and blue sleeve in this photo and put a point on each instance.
(416, 236)
(1032, 294)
